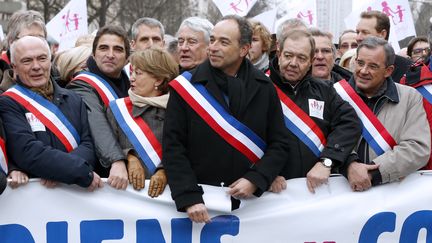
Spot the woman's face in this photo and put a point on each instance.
(144, 84)
(256, 50)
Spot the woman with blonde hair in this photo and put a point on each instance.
(138, 120)
(260, 46)
(70, 62)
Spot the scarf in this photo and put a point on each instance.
(140, 101)
(263, 63)
(46, 91)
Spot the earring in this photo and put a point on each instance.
(156, 87)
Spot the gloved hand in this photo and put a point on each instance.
(158, 182)
(136, 172)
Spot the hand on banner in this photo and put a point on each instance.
(317, 176)
(242, 188)
(158, 182)
(198, 213)
(96, 183)
(136, 172)
(359, 177)
(48, 183)
(279, 184)
(18, 178)
(118, 176)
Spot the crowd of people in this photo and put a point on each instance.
(225, 104)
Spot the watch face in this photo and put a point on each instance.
(327, 162)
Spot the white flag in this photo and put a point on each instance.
(301, 9)
(268, 19)
(1, 33)
(238, 7)
(69, 24)
(399, 12)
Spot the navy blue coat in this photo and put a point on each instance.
(41, 154)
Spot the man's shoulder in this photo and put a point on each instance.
(407, 93)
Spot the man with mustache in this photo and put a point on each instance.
(323, 128)
(105, 81)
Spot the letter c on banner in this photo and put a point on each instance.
(413, 224)
(376, 225)
(220, 225)
(12, 233)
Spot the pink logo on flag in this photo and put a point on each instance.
(390, 13)
(67, 21)
(309, 16)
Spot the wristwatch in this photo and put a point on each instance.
(327, 162)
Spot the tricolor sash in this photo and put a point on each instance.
(214, 114)
(138, 132)
(3, 158)
(373, 131)
(105, 91)
(426, 92)
(300, 123)
(48, 113)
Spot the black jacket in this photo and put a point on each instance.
(40, 153)
(402, 65)
(340, 124)
(194, 153)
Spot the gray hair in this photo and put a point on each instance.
(374, 42)
(24, 19)
(289, 24)
(150, 22)
(14, 46)
(315, 32)
(244, 26)
(297, 34)
(199, 25)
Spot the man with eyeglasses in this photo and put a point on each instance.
(418, 49)
(323, 65)
(419, 76)
(323, 128)
(395, 137)
(347, 41)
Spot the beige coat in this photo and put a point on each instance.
(406, 122)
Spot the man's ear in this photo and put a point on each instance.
(244, 50)
(389, 70)
(383, 34)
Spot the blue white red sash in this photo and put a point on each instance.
(208, 108)
(300, 123)
(48, 113)
(3, 158)
(373, 130)
(105, 91)
(426, 92)
(138, 132)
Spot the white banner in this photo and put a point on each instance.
(398, 11)
(303, 9)
(1, 33)
(238, 7)
(69, 24)
(397, 212)
(268, 19)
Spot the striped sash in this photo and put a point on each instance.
(300, 123)
(3, 157)
(229, 128)
(105, 91)
(47, 113)
(374, 132)
(138, 132)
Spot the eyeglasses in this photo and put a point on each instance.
(369, 66)
(421, 50)
(351, 45)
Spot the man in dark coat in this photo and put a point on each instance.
(34, 145)
(195, 153)
(318, 101)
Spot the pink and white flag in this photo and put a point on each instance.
(238, 7)
(302, 9)
(69, 24)
(399, 12)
